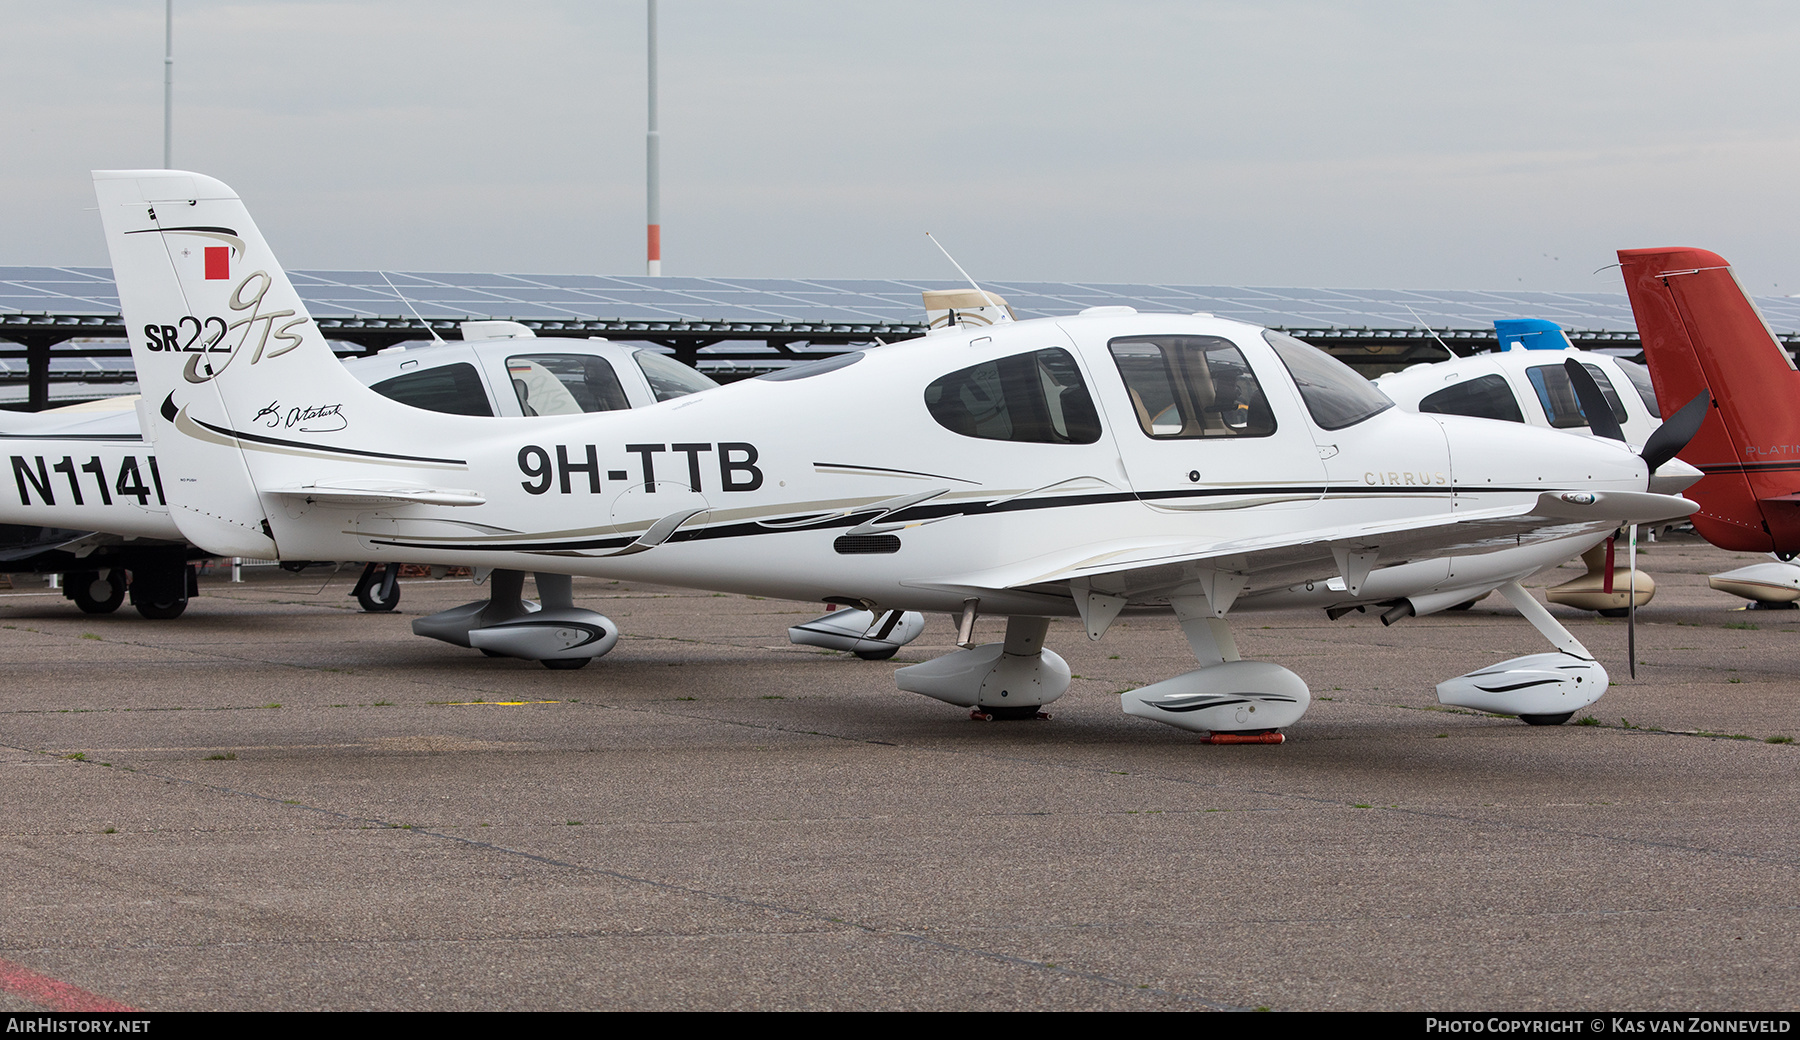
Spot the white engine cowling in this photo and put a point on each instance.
(1234, 697)
(1551, 684)
(859, 632)
(987, 676)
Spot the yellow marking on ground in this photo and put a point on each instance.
(502, 704)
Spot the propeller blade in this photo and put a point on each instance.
(1631, 607)
(1593, 402)
(1675, 432)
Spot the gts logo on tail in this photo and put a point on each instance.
(200, 337)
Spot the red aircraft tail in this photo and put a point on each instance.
(1701, 332)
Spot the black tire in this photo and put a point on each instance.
(1614, 612)
(877, 655)
(485, 652)
(80, 586)
(160, 593)
(370, 599)
(162, 610)
(1464, 606)
(566, 664)
(1547, 720)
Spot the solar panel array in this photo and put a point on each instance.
(90, 290)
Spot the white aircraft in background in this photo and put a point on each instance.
(1530, 381)
(1080, 466)
(96, 537)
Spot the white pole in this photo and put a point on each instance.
(653, 163)
(168, 84)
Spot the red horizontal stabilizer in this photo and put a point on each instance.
(1701, 332)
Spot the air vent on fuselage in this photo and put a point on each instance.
(866, 544)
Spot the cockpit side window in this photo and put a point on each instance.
(1557, 395)
(1335, 395)
(1036, 398)
(564, 384)
(1191, 386)
(1484, 397)
(1640, 381)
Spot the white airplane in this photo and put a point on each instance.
(1529, 381)
(1080, 466)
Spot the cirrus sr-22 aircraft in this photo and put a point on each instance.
(1085, 467)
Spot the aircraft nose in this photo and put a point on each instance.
(1488, 452)
(1673, 477)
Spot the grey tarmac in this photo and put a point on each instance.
(278, 802)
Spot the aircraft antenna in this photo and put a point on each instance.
(953, 263)
(410, 307)
(1429, 329)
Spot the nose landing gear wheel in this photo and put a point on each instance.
(378, 589)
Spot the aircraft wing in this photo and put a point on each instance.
(1142, 568)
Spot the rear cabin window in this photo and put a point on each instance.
(669, 378)
(1191, 386)
(1558, 396)
(1335, 395)
(452, 389)
(1037, 398)
(1484, 397)
(565, 384)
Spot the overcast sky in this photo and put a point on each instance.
(1421, 145)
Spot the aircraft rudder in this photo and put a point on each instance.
(1702, 331)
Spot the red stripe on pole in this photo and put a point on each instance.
(655, 242)
(52, 993)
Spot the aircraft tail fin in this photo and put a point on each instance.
(1530, 334)
(241, 392)
(1701, 331)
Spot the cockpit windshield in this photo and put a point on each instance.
(1335, 395)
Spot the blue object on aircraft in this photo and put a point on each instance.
(1530, 334)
